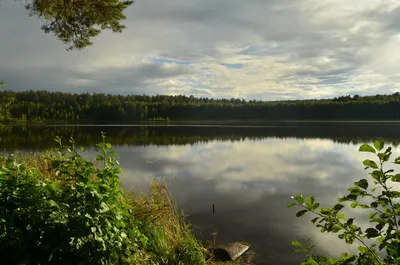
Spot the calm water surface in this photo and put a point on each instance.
(249, 174)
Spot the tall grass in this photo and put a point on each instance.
(169, 234)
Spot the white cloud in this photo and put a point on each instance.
(276, 50)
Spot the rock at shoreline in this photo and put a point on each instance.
(228, 252)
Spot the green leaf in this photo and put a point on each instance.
(301, 213)
(396, 178)
(310, 201)
(112, 152)
(341, 216)
(370, 163)
(338, 207)
(379, 145)
(325, 210)
(354, 205)
(99, 158)
(350, 221)
(383, 245)
(336, 228)
(363, 183)
(298, 198)
(393, 194)
(291, 204)
(383, 201)
(388, 150)
(378, 220)
(367, 148)
(377, 175)
(297, 244)
(349, 238)
(314, 220)
(333, 261)
(372, 215)
(371, 232)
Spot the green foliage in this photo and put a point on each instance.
(5, 105)
(383, 209)
(57, 106)
(77, 22)
(74, 215)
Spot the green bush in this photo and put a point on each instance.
(383, 207)
(76, 214)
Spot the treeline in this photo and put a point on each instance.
(57, 106)
(35, 138)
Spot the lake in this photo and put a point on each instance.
(249, 173)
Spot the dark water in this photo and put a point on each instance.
(248, 173)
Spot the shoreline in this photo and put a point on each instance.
(232, 123)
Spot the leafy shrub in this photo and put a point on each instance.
(383, 208)
(74, 215)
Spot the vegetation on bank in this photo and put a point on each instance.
(379, 241)
(58, 208)
(40, 106)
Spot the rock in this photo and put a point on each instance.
(228, 252)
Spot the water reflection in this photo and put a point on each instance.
(249, 175)
(38, 137)
(250, 183)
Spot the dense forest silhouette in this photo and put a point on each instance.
(43, 105)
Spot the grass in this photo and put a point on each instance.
(169, 232)
(170, 238)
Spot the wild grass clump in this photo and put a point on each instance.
(170, 238)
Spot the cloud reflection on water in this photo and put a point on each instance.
(250, 183)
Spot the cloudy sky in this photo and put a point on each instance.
(254, 49)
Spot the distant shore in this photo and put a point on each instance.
(256, 123)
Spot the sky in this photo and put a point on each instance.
(253, 49)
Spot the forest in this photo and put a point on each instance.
(46, 106)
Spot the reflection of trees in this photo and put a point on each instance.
(42, 137)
